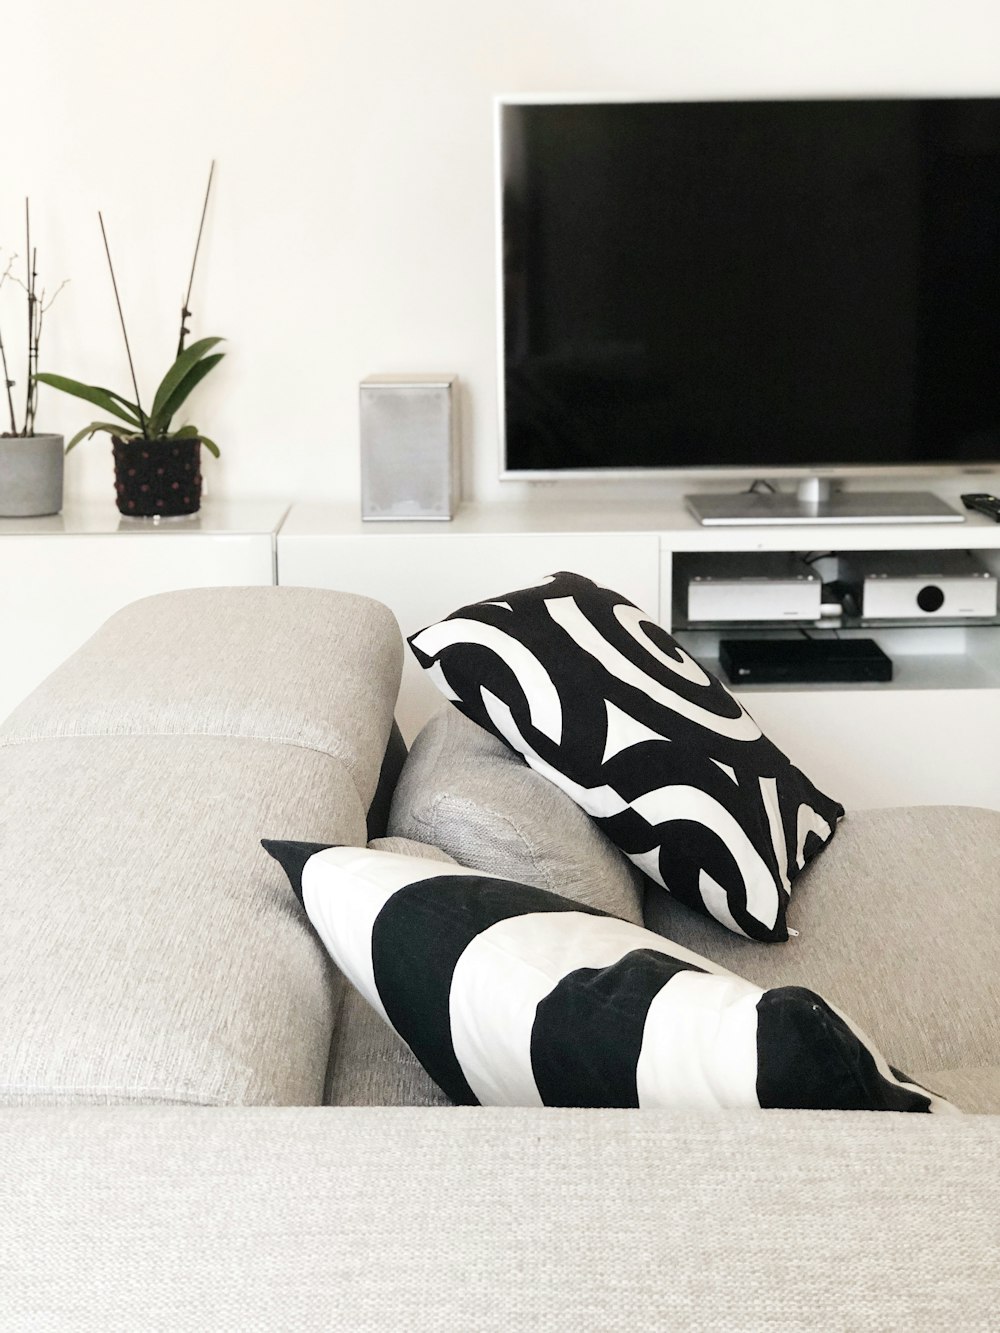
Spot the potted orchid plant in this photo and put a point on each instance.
(157, 461)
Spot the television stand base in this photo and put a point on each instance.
(753, 508)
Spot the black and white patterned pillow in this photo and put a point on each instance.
(509, 995)
(607, 705)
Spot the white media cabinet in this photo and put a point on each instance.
(61, 576)
(930, 736)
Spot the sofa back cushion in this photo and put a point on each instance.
(148, 949)
(463, 790)
(300, 666)
(149, 952)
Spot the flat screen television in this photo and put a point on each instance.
(767, 289)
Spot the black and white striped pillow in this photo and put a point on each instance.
(510, 995)
(593, 694)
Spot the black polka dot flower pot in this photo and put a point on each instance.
(157, 478)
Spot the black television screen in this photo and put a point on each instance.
(751, 285)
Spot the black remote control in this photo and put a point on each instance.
(983, 504)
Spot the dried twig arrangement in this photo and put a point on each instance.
(38, 305)
(8, 382)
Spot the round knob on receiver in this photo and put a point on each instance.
(930, 598)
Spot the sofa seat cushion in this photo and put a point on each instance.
(463, 790)
(898, 926)
(150, 948)
(376, 1220)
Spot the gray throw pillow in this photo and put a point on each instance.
(464, 791)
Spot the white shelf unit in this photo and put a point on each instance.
(928, 737)
(63, 575)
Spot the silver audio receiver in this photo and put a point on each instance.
(769, 586)
(908, 585)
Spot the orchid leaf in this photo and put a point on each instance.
(124, 402)
(188, 358)
(92, 429)
(92, 393)
(159, 422)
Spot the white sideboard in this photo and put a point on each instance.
(61, 576)
(928, 737)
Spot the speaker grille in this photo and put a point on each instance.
(408, 447)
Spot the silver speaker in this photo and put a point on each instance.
(409, 446)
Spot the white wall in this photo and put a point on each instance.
(352, 225)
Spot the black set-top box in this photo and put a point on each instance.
(786, 661)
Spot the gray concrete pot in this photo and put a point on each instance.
(31, 475)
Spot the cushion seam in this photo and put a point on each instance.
(465, 803)
(130, 1095)
(190, 735)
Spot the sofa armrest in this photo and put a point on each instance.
(368, 1218)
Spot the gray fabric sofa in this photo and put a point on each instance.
(200, 1128)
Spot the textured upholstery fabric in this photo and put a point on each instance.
(151, 950)
(463, 790)
(370, 1066)
(302, 666)
(363, 1220)
(899, 928)
(975, 1090)
(407, 847)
